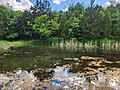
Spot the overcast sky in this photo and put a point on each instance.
(55, 4)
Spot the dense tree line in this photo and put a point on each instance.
(80, 22)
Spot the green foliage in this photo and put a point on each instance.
(4, 20)
(12, 32)
(14, 35)
(40, 8)
(83, 23)
(44, 26)
(114, 14)
(23, 28)
(75, 28)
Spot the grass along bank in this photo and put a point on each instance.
(5, 45)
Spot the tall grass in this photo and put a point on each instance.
(4, 45)
(93, 45)
(20, 43)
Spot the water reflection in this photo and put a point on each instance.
(45, 57)
(61, 80)
(68, 81)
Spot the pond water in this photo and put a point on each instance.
(83, 68)
(47, 57)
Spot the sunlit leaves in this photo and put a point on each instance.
(45, 26)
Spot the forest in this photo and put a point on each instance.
(93, 22)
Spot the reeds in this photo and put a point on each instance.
(74, 45)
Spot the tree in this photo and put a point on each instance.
(4, 20)
(44, 26)
(23, 28)
(76, 12)
(94, 24)
(12, 33)
(83, 23)
(114, 14)
(40, 8)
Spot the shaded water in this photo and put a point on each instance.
(47, 57)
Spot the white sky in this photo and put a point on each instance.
(58, 1)
(22, 5)
(26, 4)
(116, 1)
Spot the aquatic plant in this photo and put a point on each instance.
(74, 45)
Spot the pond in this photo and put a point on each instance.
(45, 66)
(45, 56)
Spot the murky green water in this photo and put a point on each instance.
(45, 57)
